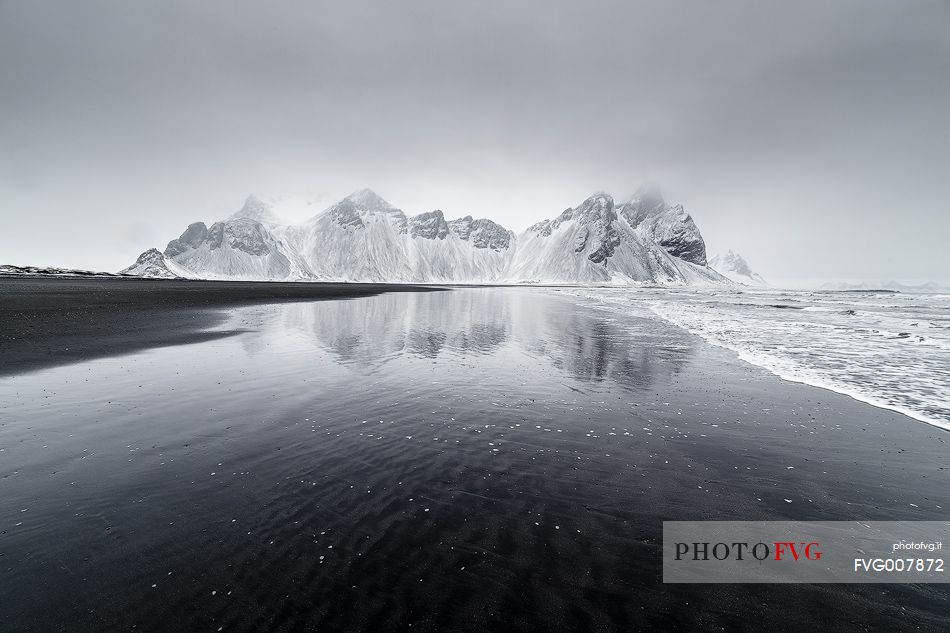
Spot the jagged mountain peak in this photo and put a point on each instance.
(669, 226)
(647, 202)
(368, 200)
(599, 202)
(360, 207)
(483, 233)
(150, 256)
(598, 207)
(192, 237)
(734, 261)
(599, 197)
(255, 208)
(151, 263)
(430, 225)
(733, 266)
(462, 226)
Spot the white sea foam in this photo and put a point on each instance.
(892, 355)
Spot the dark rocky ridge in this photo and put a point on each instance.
(430, 226)
(482, 232)
(239, 233)
(669, 226)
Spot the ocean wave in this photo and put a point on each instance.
(894, 358)
(898, 387)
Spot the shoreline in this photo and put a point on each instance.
(747, 357)
(50, 321)
(789, 370)
(82, 275)
(36, 309)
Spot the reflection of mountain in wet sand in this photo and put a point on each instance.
(592, 346)
(423, 324)
(589, 345)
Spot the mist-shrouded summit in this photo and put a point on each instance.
(670, 227)
(734, 267)
(258, 210)
(365, 238)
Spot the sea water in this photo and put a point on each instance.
(888, 349)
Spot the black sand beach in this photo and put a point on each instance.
(475, 459)
(47, 321)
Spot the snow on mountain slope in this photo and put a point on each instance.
(357, 239)
(151, 263)
(591, 243)
(364, 238)
(238, 248)
(734, 267)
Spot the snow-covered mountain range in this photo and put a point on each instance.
(364, 238)
(735, 268)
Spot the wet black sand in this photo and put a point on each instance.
(48, 321)
(471, 460)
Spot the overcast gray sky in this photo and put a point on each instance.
(811, 136)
